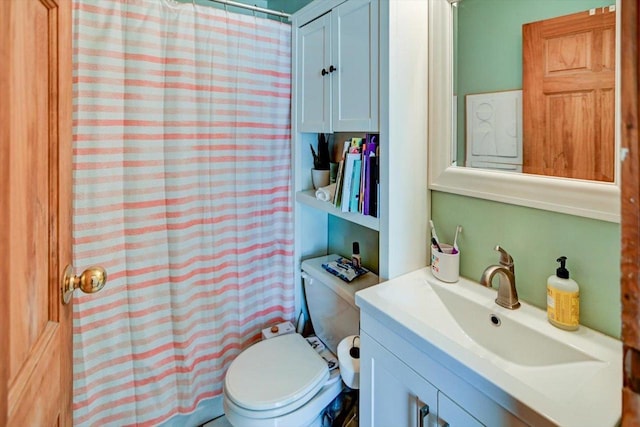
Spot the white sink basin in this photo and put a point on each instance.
(560, 374)
(505, 336)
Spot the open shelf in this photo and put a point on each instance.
(308, 197)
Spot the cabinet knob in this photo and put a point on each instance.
(332, 68)
(324, 72)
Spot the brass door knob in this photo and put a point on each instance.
(90, 281)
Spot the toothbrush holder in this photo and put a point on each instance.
(445, 265)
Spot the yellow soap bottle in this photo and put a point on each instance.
(563, 299)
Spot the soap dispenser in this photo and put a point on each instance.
(563, 299)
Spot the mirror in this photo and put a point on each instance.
(597, 199)
(535, 94)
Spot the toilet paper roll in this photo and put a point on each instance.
(349, 365)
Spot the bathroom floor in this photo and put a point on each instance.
(218, 422)
(350, 421)
(346, 419)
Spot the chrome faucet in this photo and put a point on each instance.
(507, 294)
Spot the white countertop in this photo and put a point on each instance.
(582, 393)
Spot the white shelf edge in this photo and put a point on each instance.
(308, 197)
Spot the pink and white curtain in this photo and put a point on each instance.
(182, 191)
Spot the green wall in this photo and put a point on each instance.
(489, 44)
(342, 234)
(535, 239)
(287, 6)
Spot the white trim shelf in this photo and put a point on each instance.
(308, 197)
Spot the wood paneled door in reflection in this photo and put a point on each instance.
(568, 89)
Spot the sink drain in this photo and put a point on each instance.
(495, 320)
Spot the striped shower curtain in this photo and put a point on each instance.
(182, 191)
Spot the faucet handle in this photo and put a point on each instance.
(505, 258)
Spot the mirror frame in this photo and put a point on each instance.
(590, 199)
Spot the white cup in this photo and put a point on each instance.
(445, 265)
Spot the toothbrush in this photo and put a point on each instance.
(435, 243)
(455, 239)
(433, 232)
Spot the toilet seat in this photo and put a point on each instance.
(275, 377)
(307, 415)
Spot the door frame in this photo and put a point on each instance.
(4, 220)
(630, 213)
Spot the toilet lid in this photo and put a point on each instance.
(274, 373)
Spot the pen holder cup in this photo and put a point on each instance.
(445, 265)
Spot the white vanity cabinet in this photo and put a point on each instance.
(398, 383)
(391, 393)
(337, 69)
(419, 334)
(453, 414)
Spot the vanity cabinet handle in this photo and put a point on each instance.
(324, 72)
(422, 413)
(332, 68)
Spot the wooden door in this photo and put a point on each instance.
(35, 211)
(568, 79)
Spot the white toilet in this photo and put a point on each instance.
(283, 381)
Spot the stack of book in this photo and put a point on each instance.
(357, 181)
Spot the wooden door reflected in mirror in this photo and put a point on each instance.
(568, 96)
(544, 106)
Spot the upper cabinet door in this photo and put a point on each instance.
(354, 40)
(337, 70)
(314, 94)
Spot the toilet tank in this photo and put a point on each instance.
(331, 301)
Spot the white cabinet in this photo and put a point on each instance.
(391, 393)
(337, 70)
(453, 414)
(379, 84)
(397, 380)
(314, 94)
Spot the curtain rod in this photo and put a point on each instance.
(254, 8)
